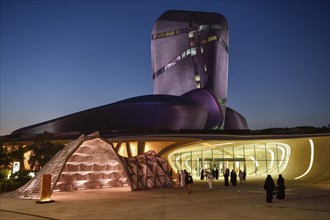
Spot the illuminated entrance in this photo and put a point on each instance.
(255, 159)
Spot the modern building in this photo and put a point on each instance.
(190, 72)
(190, 75)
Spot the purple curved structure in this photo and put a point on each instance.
(206, 99)
(190, 71)
(143, 112)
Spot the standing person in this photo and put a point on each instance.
(269, 186)
(189, 182)
(280, 187)
(202, 174)
(241, 176)
(210, 180)
(185, 177)
(244, 175)
(182, 174)
(178, 179)
(213, 172)
(226, 175)
(233, 177)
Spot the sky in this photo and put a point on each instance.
(61, 57)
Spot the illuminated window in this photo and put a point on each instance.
(205, 68)
(170, 33)
(193, 51)
(133, 148)
(216, 26)
(191, 34)
(212, 38)
(122, 150)
(203, 27)
(198, 78)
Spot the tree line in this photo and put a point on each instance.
(42, 150)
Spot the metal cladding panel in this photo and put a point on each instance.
(217, 69)
(204, 27)
(205, 98)
(164, 50)
(170, 20)
(201, 70)
(176, 80)
(192, 16)
(144, 112)
(235, 120)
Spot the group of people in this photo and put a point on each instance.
(271, 188)
(184, 178)
(233, 177)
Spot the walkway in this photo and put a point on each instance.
(246, 201)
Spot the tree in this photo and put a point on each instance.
(42, 150)
(5, 157)
(18, 155)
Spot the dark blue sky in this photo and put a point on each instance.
(60, 57)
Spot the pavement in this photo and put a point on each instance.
(304, 200)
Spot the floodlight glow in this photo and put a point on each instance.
(310, 162)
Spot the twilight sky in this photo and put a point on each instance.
(61, 57)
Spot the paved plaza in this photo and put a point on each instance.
(304, 200)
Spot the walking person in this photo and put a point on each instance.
(185, 177)
(269, 186)
(233, 177)
(210, 180)
(182, 174)
(190, 182)
(178, 179)
(241, 176)
(244, 175)
(226, 175)
(202, 174)
(280, 188)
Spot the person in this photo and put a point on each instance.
(178, 180)
(189, 182)
(215, 173)
(280, 188)
(182, 174)
(210, 180)
(244, 175)
(269, 186)
(226, 175)
(233, 177)
(241, 176)
(202, 174)
(185, 177)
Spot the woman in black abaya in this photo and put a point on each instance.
(269, 186)
(280, 187)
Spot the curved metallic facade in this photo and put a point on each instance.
(144, 112)
(190, 70)
(190, 50)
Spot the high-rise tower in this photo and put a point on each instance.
(190, 51)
